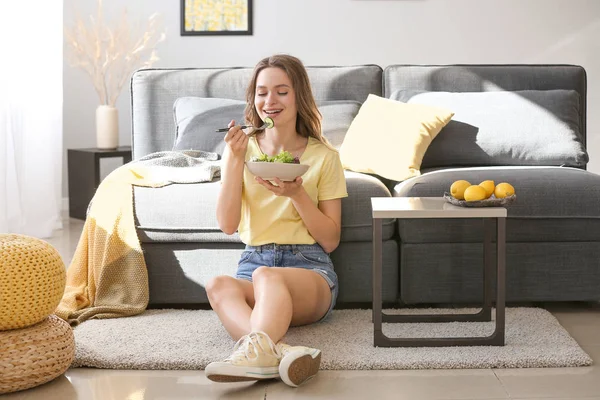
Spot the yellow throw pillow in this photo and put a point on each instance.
(389, 138)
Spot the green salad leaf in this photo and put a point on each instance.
(283, 157)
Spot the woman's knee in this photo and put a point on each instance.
(267, 275)
(219, 286)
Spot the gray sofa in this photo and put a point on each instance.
(553, 230)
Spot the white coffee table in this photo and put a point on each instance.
(437, 207)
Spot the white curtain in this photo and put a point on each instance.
(31, 143)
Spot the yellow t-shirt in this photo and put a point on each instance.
(267, 218)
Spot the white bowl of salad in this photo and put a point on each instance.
(283, 166)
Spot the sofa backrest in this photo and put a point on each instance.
(154, 91)
(533, 114)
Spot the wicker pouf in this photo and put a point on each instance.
(32, 280)
(35, 355)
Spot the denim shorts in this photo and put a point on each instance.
(307, 256)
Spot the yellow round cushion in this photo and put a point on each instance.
(32, 280)
(35, 355)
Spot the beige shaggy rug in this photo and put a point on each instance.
(190, 339)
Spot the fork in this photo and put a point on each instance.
(259, 128)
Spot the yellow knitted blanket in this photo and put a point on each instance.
(107, 277)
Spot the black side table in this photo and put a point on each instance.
(83, 167)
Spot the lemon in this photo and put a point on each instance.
(489, 188)
(474, 193)
(504, 190)
(457, 190)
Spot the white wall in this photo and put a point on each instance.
(346, 32)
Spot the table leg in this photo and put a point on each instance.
(488, 267)
(499, 332)
(377, 284)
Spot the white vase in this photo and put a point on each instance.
(107, 127)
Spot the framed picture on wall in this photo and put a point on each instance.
(216, 17)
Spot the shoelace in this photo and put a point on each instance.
(248, 347)
(284, 348)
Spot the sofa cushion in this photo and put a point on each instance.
(197, 118)
(389, 138)
(179, 213)
(552, 204)
(357, 222)
(528, 127)
(187, 212)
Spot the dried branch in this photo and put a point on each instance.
(109, 55)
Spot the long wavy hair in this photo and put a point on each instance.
(308, 120)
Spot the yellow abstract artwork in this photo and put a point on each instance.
(204, 17)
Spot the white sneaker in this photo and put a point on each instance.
(298, 363)
(254, 357)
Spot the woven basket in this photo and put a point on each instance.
(35, 355)
(32, 280)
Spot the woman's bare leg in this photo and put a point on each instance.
(256, 358)
(232, 300)
(287, 296)
(276, 299)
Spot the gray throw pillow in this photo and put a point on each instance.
(197, 119)
(530, 127)
(337, 117)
